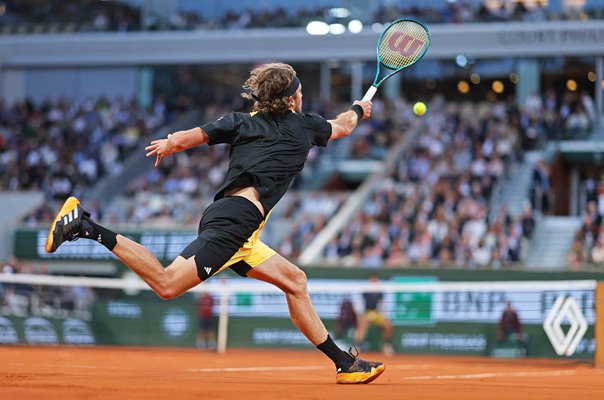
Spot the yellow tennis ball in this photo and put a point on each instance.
(419, 108)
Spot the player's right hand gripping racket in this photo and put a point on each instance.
(403, 43)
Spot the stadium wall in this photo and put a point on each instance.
(76, 84)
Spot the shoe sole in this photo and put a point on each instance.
(360, 377)
(68, 206)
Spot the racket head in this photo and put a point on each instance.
(403, 43)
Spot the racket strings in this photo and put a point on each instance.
(402, 44)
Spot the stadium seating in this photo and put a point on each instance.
(39, 17)
(433, 209)
(62, 148)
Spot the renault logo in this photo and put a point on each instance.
(565, 308)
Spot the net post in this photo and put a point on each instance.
(599, 334)
(223, 320)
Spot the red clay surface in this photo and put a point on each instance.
(64, 373)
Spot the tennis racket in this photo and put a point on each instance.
(403, 43)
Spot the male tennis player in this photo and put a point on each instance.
(373, 315)
(268, 148)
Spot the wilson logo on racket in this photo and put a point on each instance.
(402, 44)
(405, 45)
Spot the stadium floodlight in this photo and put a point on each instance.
(317, 28)
(355, 26)
(337, 29)
(461, 60)
(377, 27)
(339, 12)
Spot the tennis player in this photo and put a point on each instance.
(268, 148)
(373, 315)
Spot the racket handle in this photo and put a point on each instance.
(370, 93)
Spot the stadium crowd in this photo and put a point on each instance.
(77, 142)
(62, 147)
(432, 208)
(38, 16)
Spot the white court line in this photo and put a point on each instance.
(418, 366)
(226, 369)
(259, 369)
(16, 364)
(495, 375)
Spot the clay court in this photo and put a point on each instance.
(150, 373)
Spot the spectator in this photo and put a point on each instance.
(576, 256)
(597, 253)
(578, 122)
(346, 323)
(510, 327)
(541, 187)
(528, 222)
(206, 332)
(481, 255)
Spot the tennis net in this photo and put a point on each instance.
(557, 318)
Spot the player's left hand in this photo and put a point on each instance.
(160, 148)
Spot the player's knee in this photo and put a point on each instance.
(299, 282)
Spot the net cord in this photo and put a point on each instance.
(224, 286)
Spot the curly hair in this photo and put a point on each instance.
(265, 83)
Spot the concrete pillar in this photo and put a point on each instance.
(12, 85)
(599, 334)
(599, 90)
(392, 87)
(325, 83)
(144, 91)
(574, 192)
(356, 81)
(529, 79)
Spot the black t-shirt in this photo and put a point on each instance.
(266, 153)
(372, 300)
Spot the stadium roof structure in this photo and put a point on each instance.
(479, 40)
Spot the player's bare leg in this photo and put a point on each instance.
(169, 282)
(73, 222)
(289, 278)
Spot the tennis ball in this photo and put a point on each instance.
(419, 108)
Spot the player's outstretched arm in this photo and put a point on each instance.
(175, 142)
(345, 123)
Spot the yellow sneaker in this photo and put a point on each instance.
(66, 226)
(361, 371)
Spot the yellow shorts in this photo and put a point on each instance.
(229, 237)
(253, 253)
(375, 317)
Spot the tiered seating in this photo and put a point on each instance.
(36, 17)
(433, 207)
(63, 148)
